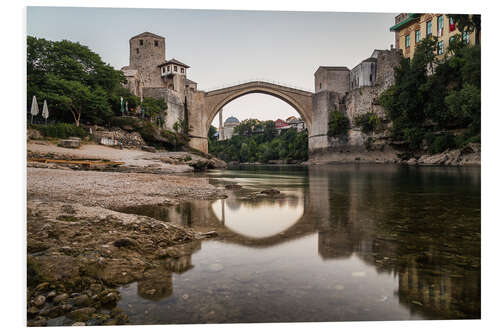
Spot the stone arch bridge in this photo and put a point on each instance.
(203, 106)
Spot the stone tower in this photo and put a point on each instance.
(147, 52)
(221, 127)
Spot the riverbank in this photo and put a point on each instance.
(77, 255)
(79, 249)
(131, 160)
(470, 155)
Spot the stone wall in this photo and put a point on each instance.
(332, 79)
(323, 102)
(146, 58)
(387, 61)
(175, 104)
(355, 146)
(198, 118)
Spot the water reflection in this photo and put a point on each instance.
(342, 243)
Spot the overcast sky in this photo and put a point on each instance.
(223, 47)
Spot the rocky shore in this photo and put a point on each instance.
(470, 155)
(130, 160)
(79, 248)
(77, 255)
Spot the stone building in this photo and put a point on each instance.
(149, 74)
(353, 92)
(364, 74)
(409, 29)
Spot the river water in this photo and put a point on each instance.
(339, 243)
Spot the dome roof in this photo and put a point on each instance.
(232, 120)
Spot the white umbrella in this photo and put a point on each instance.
(34, 108)
(45, 111)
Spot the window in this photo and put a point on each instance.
(452, 25)
(163, 69)
(417, 36)
(141, 42)
(168, 68)
(137, 51)
(440, 47)
(320, 85)
(407, 41)
(175, 68)
(440, 23)
(465, 37)
(182, 70)
(452, 38)
(156, 43)
(428, 30)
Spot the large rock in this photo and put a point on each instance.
(82, 314)
(33, 134)
(69, 143)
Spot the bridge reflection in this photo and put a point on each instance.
(437, 270)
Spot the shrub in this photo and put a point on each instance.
(338, 124)
(442, 143)
(368, 122)
(61, 130)
(122, 122)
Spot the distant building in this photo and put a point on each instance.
(227, 131)
(410, 29)
(280, 125)
(297, 123)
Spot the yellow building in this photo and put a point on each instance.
(409, 29)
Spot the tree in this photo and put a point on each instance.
(468, 23)
(76, 98)
(82, 85)
(338, 123)
(423, 102)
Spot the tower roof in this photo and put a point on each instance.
(231, 120)
(332, 68)
(174, 62)
(147, 34)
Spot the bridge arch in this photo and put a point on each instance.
(215, 100)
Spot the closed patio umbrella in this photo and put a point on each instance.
(45, 111)
(34, 108)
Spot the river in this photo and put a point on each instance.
(339, 243)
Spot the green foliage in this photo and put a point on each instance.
(77, 84)
(249, 127)
(154, 136)
(262, 146)
(338, 124)
(469, 23)
(125, 122)
(441, 143)
(369, 122)
(431, 95)
(154, 107)
(61, 130)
